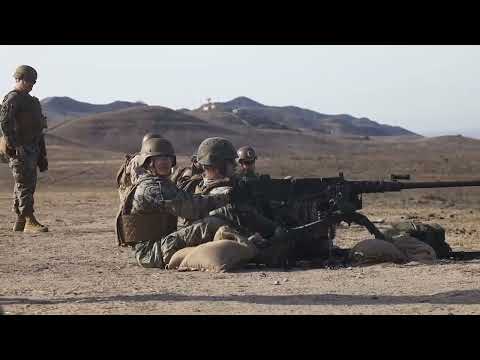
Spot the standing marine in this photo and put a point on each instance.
(22, 123)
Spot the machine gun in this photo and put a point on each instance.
(337, 199)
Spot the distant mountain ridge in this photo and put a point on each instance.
(120, 125)
(58, 109)
(259, 115)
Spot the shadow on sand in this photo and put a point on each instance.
(464, 297)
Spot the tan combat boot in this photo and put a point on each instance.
(19, 223)
(33, 226)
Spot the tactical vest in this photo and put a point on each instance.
(134, 228)
(29, 121)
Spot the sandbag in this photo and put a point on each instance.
(414, 249)
(178, 257)
(217, 256)
(375, 251)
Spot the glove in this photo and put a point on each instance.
(42, 164)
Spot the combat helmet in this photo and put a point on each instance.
(150, 135)
(246, 153)
(27, 73)
(157, 147)
(215, 151)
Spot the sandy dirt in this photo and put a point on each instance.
(76, 268)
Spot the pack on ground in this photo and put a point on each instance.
(431, 234)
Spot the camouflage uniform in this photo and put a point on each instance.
(24, 169)
(157, 193)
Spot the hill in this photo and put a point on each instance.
(58, 109)
(241, 111)
(123, 130)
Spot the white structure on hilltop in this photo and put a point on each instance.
(209, 105)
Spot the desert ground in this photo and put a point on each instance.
(77, 268)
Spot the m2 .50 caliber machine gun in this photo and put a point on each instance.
(336, 199)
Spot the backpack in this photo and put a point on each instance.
(431, 234)
(124, 180)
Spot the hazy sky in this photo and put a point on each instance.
(427, 89)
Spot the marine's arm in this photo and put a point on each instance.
(196, 206)
(7, 119)
(42, 159)
(150, 197)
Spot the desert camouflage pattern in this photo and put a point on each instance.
(24, 172)
(157, 193)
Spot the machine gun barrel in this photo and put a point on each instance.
(311, 188)
(367, 187)
(439, 184)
